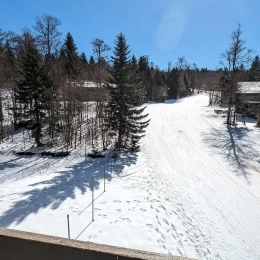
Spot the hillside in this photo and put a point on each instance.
(193, 190)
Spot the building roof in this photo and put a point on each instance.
(249, 87)
(86, 84)
(252, 102)
(84, 94)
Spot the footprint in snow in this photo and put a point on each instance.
(102, 215)
(173, 236)
(150, 225)
(126, 219)
(165, 221)
(163, 207)
(179, 251)
(113, 221)
(174, 212)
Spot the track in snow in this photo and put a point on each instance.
(193, 190)
(202, 174)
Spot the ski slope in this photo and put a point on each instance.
(193, 190)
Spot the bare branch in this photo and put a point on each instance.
(47, 34)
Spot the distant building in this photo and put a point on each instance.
(250, 94)
(83, 92)
(250, 91)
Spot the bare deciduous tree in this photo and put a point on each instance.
(232, 59)
(47, 34)
(99, 48)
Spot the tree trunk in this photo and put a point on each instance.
(258, 118)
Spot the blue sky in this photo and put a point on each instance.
(162, 29)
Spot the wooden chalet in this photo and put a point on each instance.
(83, 92)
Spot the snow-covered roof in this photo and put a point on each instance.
(90, 84)
(249, 87)
(252, 102)
(86, 84)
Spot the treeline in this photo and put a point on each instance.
(43, 88)
(66, 98)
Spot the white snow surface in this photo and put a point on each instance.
(249, 87)
(193, 190)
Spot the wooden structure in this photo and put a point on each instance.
(250, 95)
(83, 92)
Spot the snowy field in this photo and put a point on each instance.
(193, 190)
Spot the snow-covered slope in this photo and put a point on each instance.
(193, 190)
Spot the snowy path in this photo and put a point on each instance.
(193, 190)
(202, 175)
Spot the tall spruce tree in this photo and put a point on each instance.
(146, 75)
(126, 117)
(92, 66)
(72, 58)
(254, 72)
(134, 61)
(83, 65)
(83, 58)
(173, 83)
(33, 92)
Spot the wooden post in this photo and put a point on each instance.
(105, 174)
(92, 198)
(68, 220)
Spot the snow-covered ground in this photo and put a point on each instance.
(193, 190)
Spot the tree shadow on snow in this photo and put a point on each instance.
(8, 164)
(18, 168)
(232, 143)
(63, 186)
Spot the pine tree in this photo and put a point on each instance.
(92, 66)
(83, 66)
(126, 98)
(173, 84)
(143, 63)
(254, 72)
(33, 92)
(134, 61)
(146, 75)
(83, 59)
(72, 59)
(91, 60)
